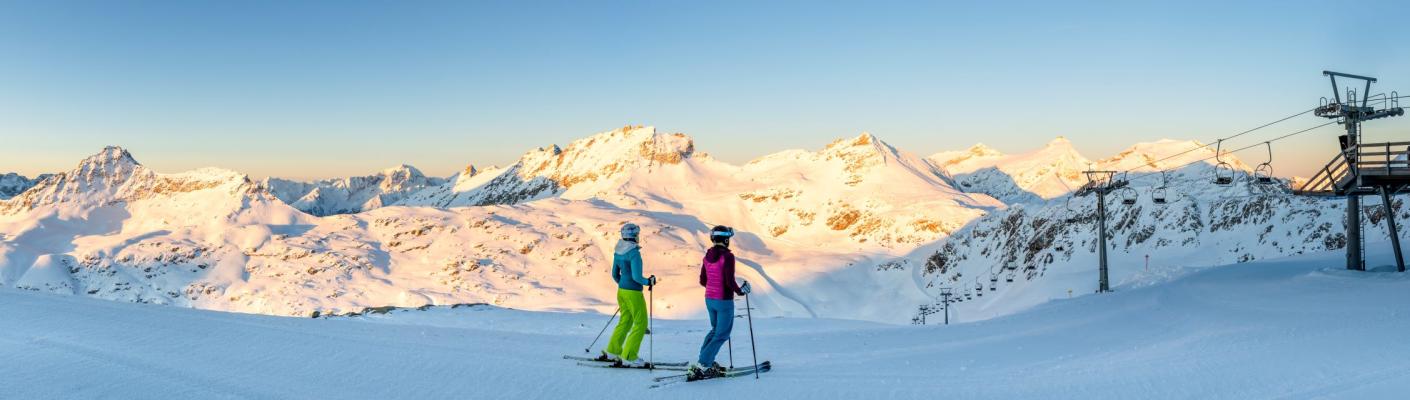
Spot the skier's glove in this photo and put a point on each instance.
(651, 281)
(744, 289)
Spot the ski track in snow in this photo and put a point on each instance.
(1289, 328)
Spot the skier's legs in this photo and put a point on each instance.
(637, 303)
(624, 323)
(709, 337)
(722, 318)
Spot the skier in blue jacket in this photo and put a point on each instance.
(627, 272)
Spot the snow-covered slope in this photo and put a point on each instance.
(352, 195)
(12, 184)
(1287, 328)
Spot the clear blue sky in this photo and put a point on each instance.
(322, 89)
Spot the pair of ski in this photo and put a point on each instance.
(600, 363)
(730, 373)
(672, 366)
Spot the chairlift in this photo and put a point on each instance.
(1067, 202)
(1223, 172)
(1264, 173)
(1129, 196)
(1161, 193)
(1009, 278)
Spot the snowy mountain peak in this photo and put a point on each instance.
(865, 149)
(111, 161)
(864, 141)
(1060, 147)
(1045, 173)
(469, 171)
(981, 149)
(113, 175)
(603, 161)
(605, 155)
(352, 194)
(402, 170)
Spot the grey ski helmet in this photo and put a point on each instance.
(630, 231)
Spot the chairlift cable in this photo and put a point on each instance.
(1230, 137)
(1147, 175)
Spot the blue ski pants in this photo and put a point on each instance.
(721, 322)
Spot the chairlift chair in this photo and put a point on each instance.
(1223, 172)
(1160, 193)
(1264, 173)
(1129, 196)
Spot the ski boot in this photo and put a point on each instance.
(607, 357)
(637, 363)
(696, 372)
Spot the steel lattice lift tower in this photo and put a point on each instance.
(1359, 168)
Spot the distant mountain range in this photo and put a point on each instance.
(12, 184)
(858, 229)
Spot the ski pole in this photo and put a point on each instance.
(604, 329)
(731, 352)
(651, 342)
(749, 312)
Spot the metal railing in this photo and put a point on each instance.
(1368, 159)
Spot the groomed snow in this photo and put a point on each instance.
(1288, 328)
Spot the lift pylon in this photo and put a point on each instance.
(1361, 169)
(1101, 183)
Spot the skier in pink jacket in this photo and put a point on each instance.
(717, 276)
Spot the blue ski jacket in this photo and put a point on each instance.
(626, 266)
